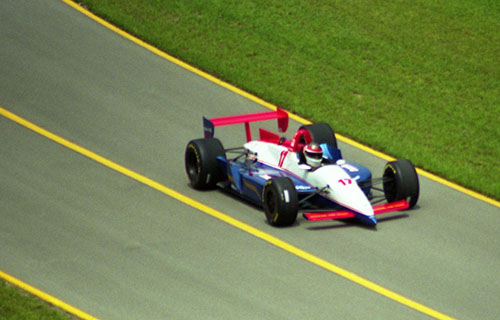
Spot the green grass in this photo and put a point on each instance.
(414, 79)
(18, 305)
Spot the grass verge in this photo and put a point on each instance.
(16, 304)
(414, 79)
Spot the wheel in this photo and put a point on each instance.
(202, 166)
(401, 182)
(321, 133)
(280, 201)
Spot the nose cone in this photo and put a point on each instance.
(373, 220)
(343, 190)
(368, 220)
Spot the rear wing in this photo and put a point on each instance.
(210, 124)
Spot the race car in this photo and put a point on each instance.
(305, 173)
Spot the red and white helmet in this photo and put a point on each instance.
(313, 154)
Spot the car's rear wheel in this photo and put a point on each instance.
(321, 133)
(401, 182)
(202, 166)
(280, 201)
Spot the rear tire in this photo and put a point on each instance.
(202, 167)
(401, 182)
(321, 133)
(280, 201)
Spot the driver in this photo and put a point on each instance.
(313, 155)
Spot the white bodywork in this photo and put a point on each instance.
(341, 188)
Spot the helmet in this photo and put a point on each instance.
(313, 154)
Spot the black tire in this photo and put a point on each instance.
(202, 166)
(401, 182)
(321, 133)
(280, 201)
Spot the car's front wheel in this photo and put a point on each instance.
(280, 201)
(401, 182)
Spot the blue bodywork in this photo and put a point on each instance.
(247, 177)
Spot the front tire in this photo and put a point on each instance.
(401, 182)
(280, 201)
(202, 166)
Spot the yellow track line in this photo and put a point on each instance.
(218, 215)
(269, 105)
(46, 297)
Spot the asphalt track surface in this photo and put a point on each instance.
(118, 249)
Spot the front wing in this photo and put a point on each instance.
(346, 214)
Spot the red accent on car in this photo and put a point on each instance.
(279, 114)
(300, 139)
(390, 207)
(344, 214)
(268, 136)
(330, 215)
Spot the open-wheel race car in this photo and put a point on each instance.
(305, 173)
